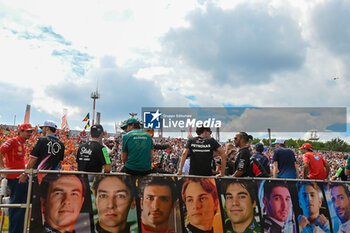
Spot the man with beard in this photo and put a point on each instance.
(277, 202)
(315, 167)
(158, 199)
(242, 162)
(14, 152)
(310, 201)
(48, 151)
(114, 197)
(340, 194)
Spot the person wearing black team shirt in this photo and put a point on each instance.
(242, 162)
(48, 151)
(93, 156)
(202, 149)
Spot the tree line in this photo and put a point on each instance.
(335, 144)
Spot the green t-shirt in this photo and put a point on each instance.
(348, 163)
(138, 145)
(253, 227)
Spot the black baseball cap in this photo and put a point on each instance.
(96, 129)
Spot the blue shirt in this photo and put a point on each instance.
(286, 162)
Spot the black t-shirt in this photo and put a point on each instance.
(49, 229)
(192, 229)
(243, 160)
(201, 150)
(91, 157)
(49, 151)
(99, 229)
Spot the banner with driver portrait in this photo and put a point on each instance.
(187, 204)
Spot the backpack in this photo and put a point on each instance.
(256, 169)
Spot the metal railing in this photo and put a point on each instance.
(32, 172)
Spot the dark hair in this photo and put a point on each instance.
(52, 129)
(51, 177)
(259, 147)
(136, 125)
(96, 131)
(345, 186)
(200, 130)
(249, 186)
(268, 186)
(245, 136)
(161, 181)
(127, 180)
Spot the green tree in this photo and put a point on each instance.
(336, 144)
(254, 141)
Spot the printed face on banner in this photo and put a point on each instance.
(313, 217)
(309, 200)
(276, 201)
(62, 198)
(63, 202)
(156, 205)
(157, 201)
(200, 205)
(341, 202)
(200, 199)
(113, 200)
(240, 204)
(338, 199)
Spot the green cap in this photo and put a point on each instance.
(129, 121)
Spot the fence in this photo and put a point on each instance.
(86, 202)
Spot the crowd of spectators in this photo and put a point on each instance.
(71, 144)
(165, 161)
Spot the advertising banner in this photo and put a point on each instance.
(122, 203)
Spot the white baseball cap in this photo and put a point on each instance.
(279, 140)
(49, 124)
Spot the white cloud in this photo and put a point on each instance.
(132, 34)
(150, 73)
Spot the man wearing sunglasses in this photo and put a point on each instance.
(242, 162)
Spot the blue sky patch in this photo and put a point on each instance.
(59, 38)
(77, 59)
(190, 97)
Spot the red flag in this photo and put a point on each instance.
(190, 132)
(64, 123)
(27, 114)
(64, 120)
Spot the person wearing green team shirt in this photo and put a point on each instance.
(240, 203)
(137, 149)
(347, 167)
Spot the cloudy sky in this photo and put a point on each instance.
(167, 53)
